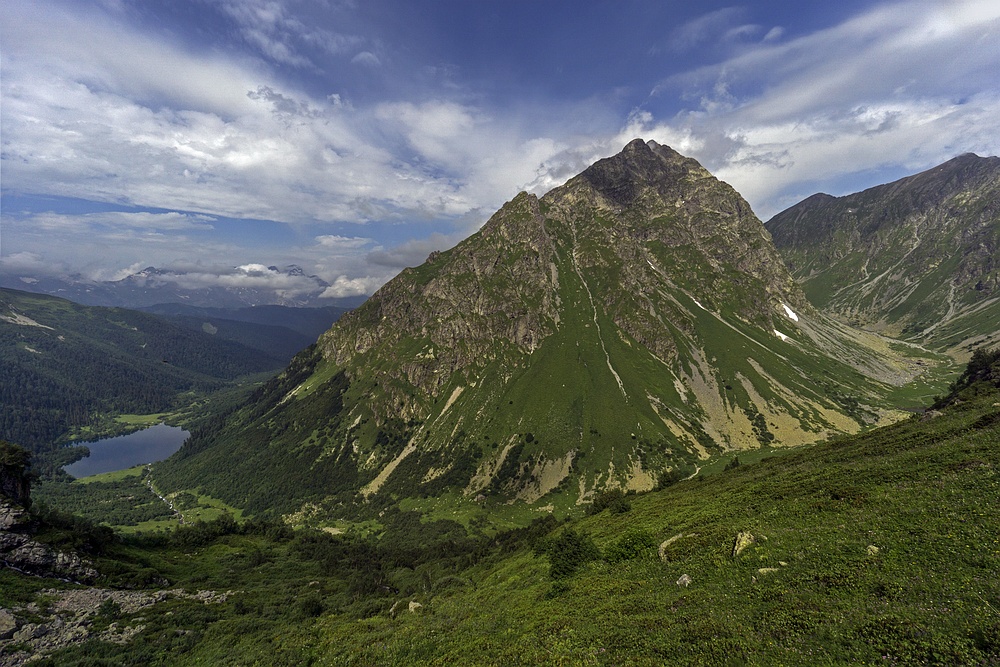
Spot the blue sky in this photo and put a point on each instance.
(354, 137)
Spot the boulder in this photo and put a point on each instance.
(742, 541)
(8, 624)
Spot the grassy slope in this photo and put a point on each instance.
(921, 492)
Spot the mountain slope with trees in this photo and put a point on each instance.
(67, 367)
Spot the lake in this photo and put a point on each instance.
(125, 451)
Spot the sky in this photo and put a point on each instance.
(215, 138)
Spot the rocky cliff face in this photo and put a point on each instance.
(624, 325)
(18, 550)
(916, 257)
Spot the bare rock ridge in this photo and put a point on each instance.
(622, 326)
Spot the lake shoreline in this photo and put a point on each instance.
(120, 452)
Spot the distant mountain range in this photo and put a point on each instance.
(276, 331)
(248, 286)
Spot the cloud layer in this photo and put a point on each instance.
(181, 138)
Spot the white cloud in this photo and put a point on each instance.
(94, 223)
(909, 84)
(344, 287)
(342, 243)
(703, 29)
(366, 58)
(95, 110)
(774, 34)
(25, 262)
(268, 26)
(414, 252)
(125, 272)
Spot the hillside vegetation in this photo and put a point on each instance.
(68, 368)
(876, 548)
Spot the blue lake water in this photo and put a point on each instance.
(125, 451)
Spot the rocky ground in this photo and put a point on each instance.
(60, 618)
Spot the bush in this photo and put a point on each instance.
(633, 544)
(613, 500)
(569, 551)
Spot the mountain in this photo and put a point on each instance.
(916, 258)
(243, 286)
(612, 333)
(277, 331)
(65, 366)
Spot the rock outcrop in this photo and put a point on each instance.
(18, 549)
(70, 616)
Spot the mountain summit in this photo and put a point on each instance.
(623, 326)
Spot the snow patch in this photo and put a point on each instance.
(791, 313)
(698, 303)
(780, 335)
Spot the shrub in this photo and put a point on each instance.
(633, 544)
(569, 551)
(613, 500)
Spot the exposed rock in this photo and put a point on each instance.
(766, 570)
(873, 550)
(11, 516)
(67, 619)
(8, 624)
(17, 549)
(742, 541)
(22, 553)
(684, 581)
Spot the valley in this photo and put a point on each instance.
(611, 426)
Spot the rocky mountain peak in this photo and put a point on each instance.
(622, 325)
